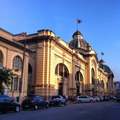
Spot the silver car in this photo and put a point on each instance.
(84, 99)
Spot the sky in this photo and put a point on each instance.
(100, 22)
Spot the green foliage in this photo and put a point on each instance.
(5, 77)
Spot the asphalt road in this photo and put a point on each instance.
(85, 111)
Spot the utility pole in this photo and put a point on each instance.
(21, 83)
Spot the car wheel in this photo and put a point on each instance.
(47, 106)
(62, 104)
(3, 111)
(65, 103)
(17, 109)
(36, 107)
(91, 101)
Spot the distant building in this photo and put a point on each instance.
(117, 88)
(51, 66)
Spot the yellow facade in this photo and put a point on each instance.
(61, 68)
(9, 50)
(51, 52)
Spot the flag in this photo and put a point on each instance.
(102, 53)
(78, 21)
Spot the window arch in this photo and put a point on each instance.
(62, 70)
(93, 76)
(102, 84)
(79, 81)
(1, 58)
(78, 76)
(17, 63)
(94, 83)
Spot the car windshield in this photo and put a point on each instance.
(37, 98)
(53, 97)
(82, 96)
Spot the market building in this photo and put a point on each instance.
(46, 65)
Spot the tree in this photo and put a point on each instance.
(5, 77)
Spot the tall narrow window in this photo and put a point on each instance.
(15, 83)
(17, 63)
(79, 80)
(93, 76)
(1, 58)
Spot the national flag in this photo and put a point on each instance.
(102, 53)
(78, 21)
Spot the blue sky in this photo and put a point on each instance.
(100, 22)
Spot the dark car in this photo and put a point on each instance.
(118, 98)
(34, 102)
(106, 98)
(57, 100)
(7, 103)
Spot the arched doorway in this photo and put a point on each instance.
(30, 90)
(63, 75)
(94, 87)
(102, 87)
(102, 84)
(79, 83)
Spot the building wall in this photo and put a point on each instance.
(40, 68)
(51, 52)
(103, 77)
(48, 53)
(9, 52)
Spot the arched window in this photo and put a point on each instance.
(79, 79)
(93, 76)
(94, 83)
(61, 70)
(78, 76)
(102, 84)
(17, 63)
(15, 85)
(1, 58)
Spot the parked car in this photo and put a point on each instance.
(34, 102)
(84, 99)
(7, 103)
(106, 98)
(118, 98)
(96, 98)
(101, 98)
(114, 98)
(57, 100)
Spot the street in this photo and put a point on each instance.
(85, 111)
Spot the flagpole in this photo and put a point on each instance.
(102, 54)
(78, 21)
